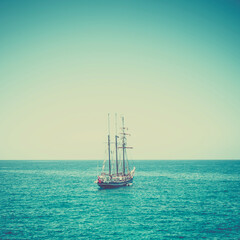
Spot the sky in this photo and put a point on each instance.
(171, 67)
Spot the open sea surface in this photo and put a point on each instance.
(168, 200)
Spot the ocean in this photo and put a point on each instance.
(168, 200)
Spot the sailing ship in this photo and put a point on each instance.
(118, 174)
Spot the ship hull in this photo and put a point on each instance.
(115, 184)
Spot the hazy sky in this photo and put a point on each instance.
(172, 67)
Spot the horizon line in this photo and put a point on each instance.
(197, 159)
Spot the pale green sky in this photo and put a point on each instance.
(171, 67)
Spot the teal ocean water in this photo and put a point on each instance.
(168, 200)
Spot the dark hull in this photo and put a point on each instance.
(115, 184)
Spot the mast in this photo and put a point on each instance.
(109, 154)
(116, 144)
(123, 146)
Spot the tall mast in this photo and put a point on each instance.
(123, 146)
(116, 138)
(109, 155)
